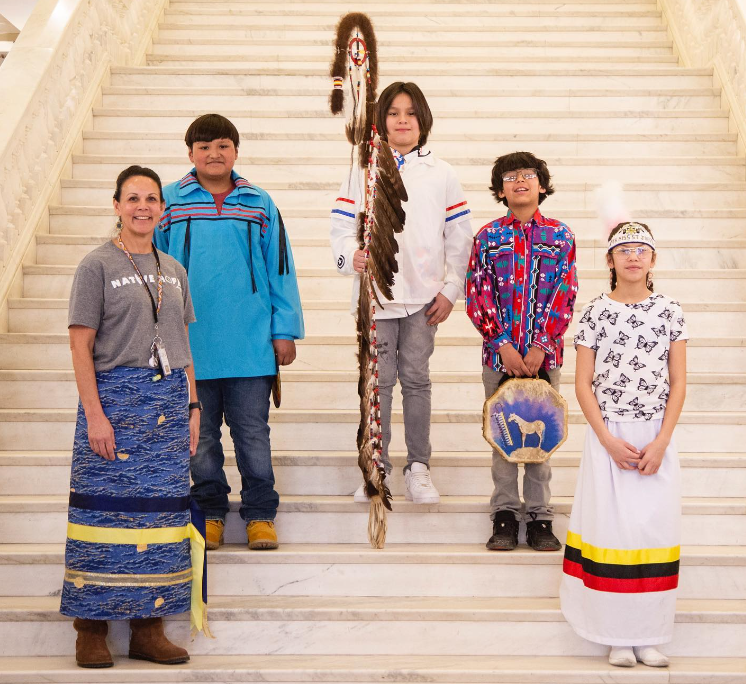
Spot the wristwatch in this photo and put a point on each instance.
(195, 405)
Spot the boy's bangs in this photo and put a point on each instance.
(515, 161)
(211, 127)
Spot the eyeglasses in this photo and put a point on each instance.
(527, 174)
(627, 252)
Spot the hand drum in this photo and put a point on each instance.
(525, 420)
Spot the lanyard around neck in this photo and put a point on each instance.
(156, 307)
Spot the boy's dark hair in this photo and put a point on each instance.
(612, 275)
(419, 104)
(209, 127)
(520, 160)
(131, 172)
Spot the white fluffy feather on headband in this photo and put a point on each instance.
(611, 207)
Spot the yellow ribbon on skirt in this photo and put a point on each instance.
(162, 535)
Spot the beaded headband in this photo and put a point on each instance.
(632, 232)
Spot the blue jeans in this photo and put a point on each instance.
(245, 404)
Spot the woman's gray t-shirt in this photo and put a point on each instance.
(108, 296)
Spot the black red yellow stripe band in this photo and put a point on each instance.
(621, 570)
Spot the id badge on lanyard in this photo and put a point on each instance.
(158, 356)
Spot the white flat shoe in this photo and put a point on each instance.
(651, 656)
(361, 497)
(622, 657)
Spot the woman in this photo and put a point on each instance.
(128, 540)
(621, 567)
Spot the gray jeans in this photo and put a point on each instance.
(405, 346)
(536, 476)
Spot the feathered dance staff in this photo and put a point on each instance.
(356, 61)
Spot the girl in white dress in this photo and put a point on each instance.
(622, 556)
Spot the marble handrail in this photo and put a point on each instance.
(712, 33)
(48, 84)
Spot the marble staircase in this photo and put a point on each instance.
(595, 88)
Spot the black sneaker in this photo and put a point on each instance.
(540, 537)
(504, 532)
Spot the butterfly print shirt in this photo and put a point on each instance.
(521, 287)
(631, 342)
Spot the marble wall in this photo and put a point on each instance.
(712, 33)
(47, 86)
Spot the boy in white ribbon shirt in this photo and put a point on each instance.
(433, 254)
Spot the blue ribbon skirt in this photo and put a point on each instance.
(128, 550)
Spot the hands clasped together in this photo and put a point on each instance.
(646, 461)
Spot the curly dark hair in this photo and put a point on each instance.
(520, 160)
(419, 104)
(612, 274)
(131, 172)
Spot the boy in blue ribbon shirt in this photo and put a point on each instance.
(231, 239)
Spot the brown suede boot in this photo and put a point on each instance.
(90, 647)
(148, 642)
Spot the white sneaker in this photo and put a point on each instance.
(418, 487)
(622, 657)
(650, 656)
(361, 497)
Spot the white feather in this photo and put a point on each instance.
(611, 205)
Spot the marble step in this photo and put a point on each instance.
(448, 121)
(330, 341)
(470, 170)
(258, 6)
(220, 99)
(337, 520)
(406, 17)
(325, 283)
(525, 76)
(329, 319)
(337, 6)
(58, 249)
(402, 18)
(542, 144)
(319, 196)
(707, 572)
(373, 668)
(423, 34)
(286, 48)
(333, 389)
(390, 35)
(285, 625)
(650, 122)
(37, 430)
(463, 352)
(698, 224)
(291, 63)
(336, 473)
(488, 9)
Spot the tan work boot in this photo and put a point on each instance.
(262, 535)
(214, 533)
(90, 647)
(148, 642)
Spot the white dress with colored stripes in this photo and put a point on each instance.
(622, 555)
